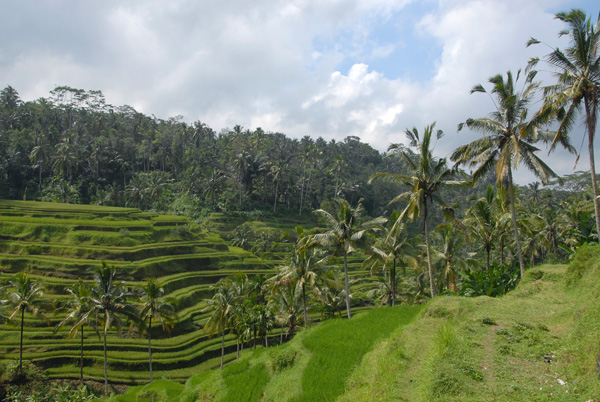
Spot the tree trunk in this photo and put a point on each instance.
(393, 283)
(276, 191)
(302, 188)
(428, 247)
(81, 357)
(346, 285)
(21, 346)
(502, 250)
(487, 260)
(513, 212)
(304, 303)
(266, 339)
(237, 346)
(222, 347)
(150, 347)
(451, 278)
(591, 128)
(105, 364)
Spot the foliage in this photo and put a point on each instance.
(499, 280)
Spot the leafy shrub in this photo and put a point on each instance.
(500, 280)
(283, 359)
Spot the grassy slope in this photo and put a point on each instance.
(538, 343)
(485, 349)
(312, 367)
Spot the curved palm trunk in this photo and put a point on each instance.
(150, 347)
(275, 202)
(451, 277)
(222, 346)
(393, 283)
(81, 358)
(105, 366)
(487, 260)
(513, 213)
(304, 303)
(21, 347)
(346, 285)
(591, 127)
(428, 247)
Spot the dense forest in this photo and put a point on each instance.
(73, 147)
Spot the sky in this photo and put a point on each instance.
(322, 68)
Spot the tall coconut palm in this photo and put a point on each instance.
(346, 232)
(483, 223)
(391, 249)
(109, 303)
(79, 309)
(306, 269)
(286, 301)
(26, 296)
(508, 138)
(221, 307)
(155, 308)
(448, 249)
(427, 176)
(578, 85)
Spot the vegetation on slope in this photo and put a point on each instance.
(538, 343)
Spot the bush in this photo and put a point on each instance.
(283, 359)
(500, 280)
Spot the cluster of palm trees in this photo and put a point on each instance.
(104, 304)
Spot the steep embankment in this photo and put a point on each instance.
(538, 343)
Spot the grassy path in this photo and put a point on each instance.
(521, 347)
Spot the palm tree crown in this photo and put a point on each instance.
(346, 232)
(578, 84)
(427, 176)
(508, 138)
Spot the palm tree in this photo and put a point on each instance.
(449, 250)
(221, 307)
(26, 296)
(286, 301)
(389, 250)
(508, 139)
(578, 79)
(482, 222)
(306, 269)
(427, 176)
(346, 232)
(109, 302)
(155, 308)
(79, 309)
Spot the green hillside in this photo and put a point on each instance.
(538, 343)
(58, 244)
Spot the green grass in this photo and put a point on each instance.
(484, 349)
(339, 345)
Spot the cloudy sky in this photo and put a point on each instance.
(330, 68)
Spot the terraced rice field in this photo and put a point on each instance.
(60, 243)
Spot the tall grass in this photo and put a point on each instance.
(339, 345)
